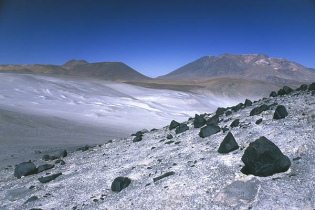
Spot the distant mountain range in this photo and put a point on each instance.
(253, 66)
(249, 66)
(114, 71)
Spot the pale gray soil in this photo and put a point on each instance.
(203, 178)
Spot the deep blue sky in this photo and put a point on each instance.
(154, 36)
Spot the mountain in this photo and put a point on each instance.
(252, 66)
(270, 165)
(113, 71)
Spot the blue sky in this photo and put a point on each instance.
(154, 36)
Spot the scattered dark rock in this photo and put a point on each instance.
(137, 138)
(169, 136)
(84, 148)
(44, 167)
(173, 125)
(181, 128)
(178, 142)
(31, 187)
(55, 156)
(153, 148)
(214, 120)
(311, 86)
(163, 176)
(209, 130)
(59, 161)
(280, 112)
(199, 121)
(225, 129)
(228, 113)
(273, 94)
(235, 123)
(169, 142)
(237, 107)
(220, 111)
(25, 169)
(303, 87)
(296, 158)
(153, 129)
(248, 102)
(120, 183)
(259, 121)
(264, 158)
(258, 110)
(228, 144)
(31, 199)
(284, 91)
(49, 178)
(313, 93)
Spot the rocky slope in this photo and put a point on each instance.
(181, 168)
(251, 66)
(113, 71)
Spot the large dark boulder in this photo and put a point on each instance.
(248, 102)
(311, 86)
(273, 94)
(285, 90)
(280, 112)
(120, 183)
(228, 144)
(44, 167)
(25, 169)
(169, 136)
(209, 130)
(181, 128)
(199, 121)
(259, 121)
(264, 158)
(49, 178)
(259, 109)
(174, 125)
(235, 123)
(214, 120)
(220, 111)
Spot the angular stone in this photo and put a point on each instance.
(228, 144)
(220, 111)
(25, 169)
(311, 86)
(44, 167)
(199, 121)
(120, 183)
(264, 158)
(273, 94)
(280, 112)
(173, 125)
(181, 128)
(169, 136)
(235, 123)
(285, 90)
(49, 178)
(214, 120)
(259, 121)
(259, 109)
(163, 176)
(209, 130)
(248, 102)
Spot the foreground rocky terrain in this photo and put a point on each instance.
(185, 165)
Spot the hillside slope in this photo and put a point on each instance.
(197, 176)
(251, 66)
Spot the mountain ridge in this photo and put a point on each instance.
(254, 66)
